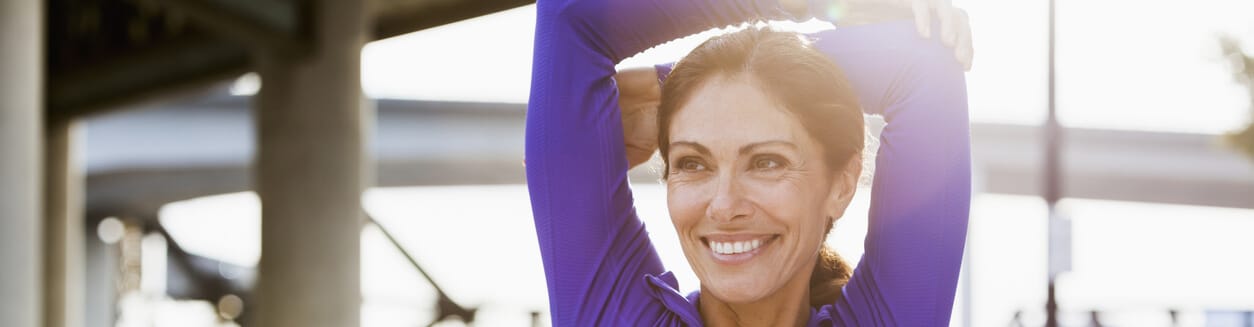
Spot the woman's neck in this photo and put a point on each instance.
(790, 306)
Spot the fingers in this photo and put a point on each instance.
(922, 17)
(964, 48)
(955, 26)
(948, 22)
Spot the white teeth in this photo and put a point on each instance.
(734, 247)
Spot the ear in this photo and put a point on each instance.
(844, 184)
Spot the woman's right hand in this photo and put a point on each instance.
(955, 27)
(639, 94)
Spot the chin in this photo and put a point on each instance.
(734, 290)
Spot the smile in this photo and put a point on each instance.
(736, 249)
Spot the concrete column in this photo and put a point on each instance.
(21, 126)
(64, 247)
(310, 174)
(102, 260)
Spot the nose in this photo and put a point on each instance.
(729, 202)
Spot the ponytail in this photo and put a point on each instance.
(831, 272)
(830, 275)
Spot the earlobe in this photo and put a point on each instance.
(844, 185)
(839, 201)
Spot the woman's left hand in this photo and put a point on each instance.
(955, 26)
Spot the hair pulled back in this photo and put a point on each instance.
(803, 81)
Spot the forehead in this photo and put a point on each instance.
(733, 111)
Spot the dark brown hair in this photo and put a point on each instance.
(806, 83)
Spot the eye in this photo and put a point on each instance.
(767, 163)
(689, 165)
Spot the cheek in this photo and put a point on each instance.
(784, 199)
(686, 203)
(793, 203)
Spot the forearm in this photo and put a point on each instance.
(622, 28)
(854, 13)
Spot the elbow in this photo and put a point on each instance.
(576, 14)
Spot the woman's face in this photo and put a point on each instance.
(747, 190)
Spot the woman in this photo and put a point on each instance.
(755, 176)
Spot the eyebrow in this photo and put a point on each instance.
(700, 148)
(743, 150)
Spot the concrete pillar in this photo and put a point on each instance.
(310, 173)
(64, 282)
(102, 267)
(21, 126)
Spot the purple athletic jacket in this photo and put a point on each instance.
(601, 267)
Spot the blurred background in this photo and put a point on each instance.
(140, 139)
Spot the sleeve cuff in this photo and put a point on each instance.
(663, 71)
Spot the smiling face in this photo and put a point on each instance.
(748, 191)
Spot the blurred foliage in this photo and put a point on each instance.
(1242, 66)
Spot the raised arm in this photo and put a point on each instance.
(920, 198)
(595, 250)
(622, 28)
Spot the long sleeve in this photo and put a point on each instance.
(920, 197)
(595, 250)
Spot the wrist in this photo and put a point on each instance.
(851, 12)
(798, 9)
(825, 10)
(663, 71)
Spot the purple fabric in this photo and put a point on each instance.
(600, 265)
(663, 70)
